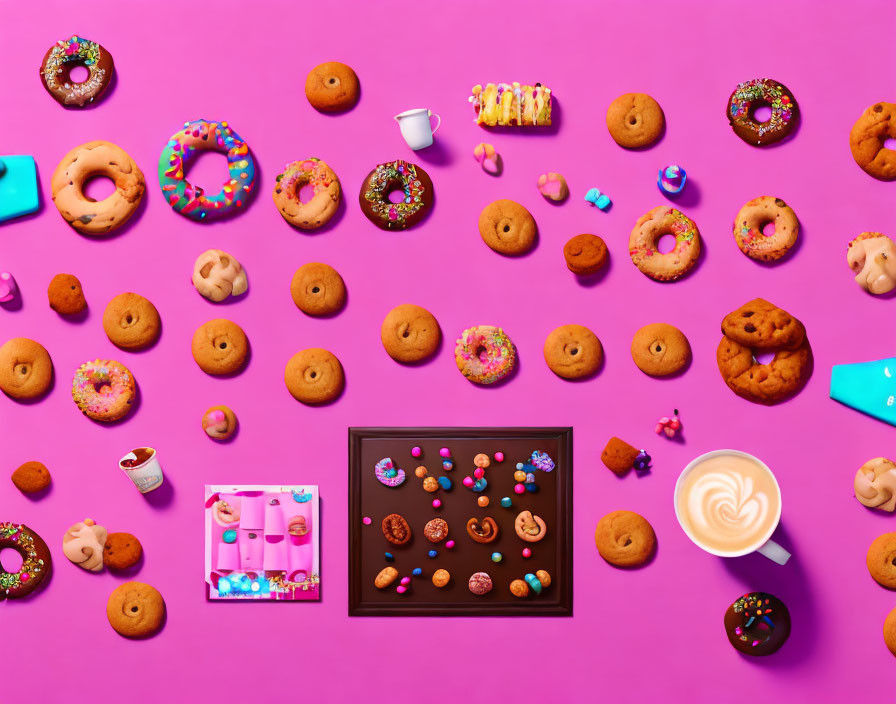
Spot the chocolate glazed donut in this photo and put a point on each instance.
(396, 175)
(36, 561)
(66, 54)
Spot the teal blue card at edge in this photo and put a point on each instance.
(18, 187)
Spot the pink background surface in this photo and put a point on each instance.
(654, 633)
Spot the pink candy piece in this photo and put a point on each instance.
(479, 472)
(468, 482)
(416, 452)
(405, 580)
(436, 503)
(367, 520)
(445, 452)
(449, 544)
(527, 553)
(553, 186)
(401, 589)
(667, 425)
(499, 457)
(488, 158)
(519, 488)
(8, 287)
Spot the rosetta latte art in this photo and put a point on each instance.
(729, 504)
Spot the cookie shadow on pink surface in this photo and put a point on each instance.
(595, 279)
(791, 584)
(689, 197)
(38, 399)
(426, 361)
(78, 317)
(36, 496)
(129, 572)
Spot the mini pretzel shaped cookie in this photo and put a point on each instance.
(482, 530)
(529, 528)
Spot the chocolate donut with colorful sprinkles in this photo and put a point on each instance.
(750, 96)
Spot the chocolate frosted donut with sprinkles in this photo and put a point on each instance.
(752, 95)
(398, 175)
(190, 200)
(36, 560)
(757, 624)
(66, 54)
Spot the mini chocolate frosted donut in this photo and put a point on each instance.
(332, 87)
(751, 220)
(66, 54)
(398, 175)
(866, 141)
(642, 244)
(97, 158)
(757, 624)
(323, 204)
(36, 561)
(751, 95)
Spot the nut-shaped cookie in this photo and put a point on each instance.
(218, 275)
(875, 484)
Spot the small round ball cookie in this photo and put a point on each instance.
(220, 347)
(880, 560)
(890, 631)
(314, 376)
(219, 422)
(317, 289)
(440, 578)
(757, 624)
(332, 87)
(135, 610)
(519, 588)
(635, 120)
(26, 370)
(625, 539)
(752, 219)
(867, 137)
(585, 254)
(410, 333)
(131, 322)
(507, 227)
(218, 275)
(121, 551)
(573, 352)
(31, 477)
(660, 349)
(436, 530)
(66, 295)
(480, 583)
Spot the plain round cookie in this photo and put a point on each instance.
(135, 610)
(26, 370)
(410, 333)
(131, 322)
(585, 254)
(866, 141)
(880, 558)
(314, 376)
(31, 477)
(625, 539)
(317, 289)
(66, 295)
(121, 551)
(754, 216)
(573, 352)
(220, 347)
(507, 227)
(635, 120)
(332, 87)
(660, 349)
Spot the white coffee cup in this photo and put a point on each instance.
(416, 128)
(762, 544)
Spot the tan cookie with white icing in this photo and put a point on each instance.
(872, 257)
(875, 484)
(83, 544)
(218, 275)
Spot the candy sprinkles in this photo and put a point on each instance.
(190, 200)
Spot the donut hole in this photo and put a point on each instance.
(222, 345)
(890, 143)
(768, 228)
(396, 195)
(763, 357)
(761, 112)
(10, 560)
(205, 166)
(129, 318)
(78, 73)
(97, 188)
(135, 609)
(305, 193)
(315, 289)
(665, 244)
(481, 353)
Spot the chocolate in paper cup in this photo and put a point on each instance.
(142, 467)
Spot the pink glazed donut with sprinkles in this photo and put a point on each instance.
(190, 200)
(104, 390)
(485, 354)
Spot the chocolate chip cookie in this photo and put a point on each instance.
(121, 551)
(220, 347)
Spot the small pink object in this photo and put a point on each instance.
(519, 488)
(488, 158)
(445, 452)
(667, 425)
(436, 503)
(405, 580)
(449, 544)
(401, 589)
(499, 457)
(367, 520)
(527, 553)
(468, 482)
(8, 287)
(416, 452)
(479, 472)
(553, 186)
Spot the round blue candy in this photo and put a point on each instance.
(533, 583)
(389, 557)
(532, 488)
(506, 502)
(416, 571)
(445, 483)
(479, 485)
(229, 536)
(497, 557)
(391, 473)
(433, 553)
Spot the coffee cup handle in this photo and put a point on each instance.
(438, 122)
(774, 552)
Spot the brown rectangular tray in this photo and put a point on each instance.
(368, 497)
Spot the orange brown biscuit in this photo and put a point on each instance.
(625, 539)
(507, 227)
(220, 347)
(314, 376)
(635, 120)
(410, 333)
(332, 87)
(66, 295)
(573, 352)
(26, 370)
(317, 289)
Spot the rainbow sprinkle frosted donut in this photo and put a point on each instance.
(748, 97)
(387, 473)
(36, 560)
(322, 206)
(396, 175)
(484, 354)
(104, 390)
(191, 200)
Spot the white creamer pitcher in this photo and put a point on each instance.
(416, 127)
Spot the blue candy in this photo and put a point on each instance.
(533, 583)
(389, 557)
(445, 483)
(531, 487)
(447, 465)
(595, 197)
(497, 557)
(506, 502)
(479, 485)
(433, 553)
(229, 536)
(416, 571)
(18, 187)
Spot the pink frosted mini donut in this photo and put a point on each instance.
(484, 354)
(387, 473)
(104, 390)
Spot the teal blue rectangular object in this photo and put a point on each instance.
(18, 187)
(869, 387)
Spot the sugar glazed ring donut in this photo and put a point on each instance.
(322, 206)
(754, 216)
(396, 175)
(866, 141)
(36, 561)
(190, 200)
(484, 354)
(65, 55)
(97, 158)
(757, 93)
(763, 327)
(26, 370)
(642, 244)
(104, 390)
